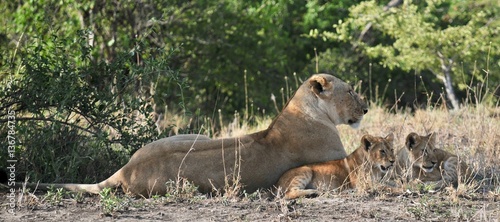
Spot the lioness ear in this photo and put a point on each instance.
(412, 140)
(366, 141)
(319, 85)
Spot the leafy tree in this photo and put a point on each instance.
(217, 41)
(436, 36)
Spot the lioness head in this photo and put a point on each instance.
(348, 107)
(422, 151)
(380, 151)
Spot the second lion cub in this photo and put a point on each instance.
(373, 157)
(420, 160)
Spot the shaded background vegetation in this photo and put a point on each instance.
(88, 79)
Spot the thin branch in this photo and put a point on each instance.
(48, 120)
(391, 4)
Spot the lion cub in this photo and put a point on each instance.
(423, 162)
(374, 156)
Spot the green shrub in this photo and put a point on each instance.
(78, 119)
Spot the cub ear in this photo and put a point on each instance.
(367, 142)
(432, 138)
(319, 84)
(412, 140)
(390, 137)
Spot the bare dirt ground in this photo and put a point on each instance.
(347, 206)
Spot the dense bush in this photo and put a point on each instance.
(79, 120)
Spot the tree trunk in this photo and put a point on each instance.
(447, 81)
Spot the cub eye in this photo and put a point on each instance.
(425, 152)
(382, 152)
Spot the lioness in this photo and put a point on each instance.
(304, 132)
(421, 161)
(373, 157)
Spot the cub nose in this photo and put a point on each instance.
(365, 111)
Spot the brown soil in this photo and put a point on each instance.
(349, 206)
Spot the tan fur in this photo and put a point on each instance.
(421, 161)
(373, 157)
(304, 132)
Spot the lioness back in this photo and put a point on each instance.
(373, 157)
(420, 160)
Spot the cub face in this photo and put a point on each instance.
(422, 151)
(380, 151)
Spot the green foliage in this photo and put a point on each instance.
(221, 39)
(75, 115)
(55, 196)
(217, 42)
(182, 189)
(110, 202)
(428, 36)
(417, 38)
